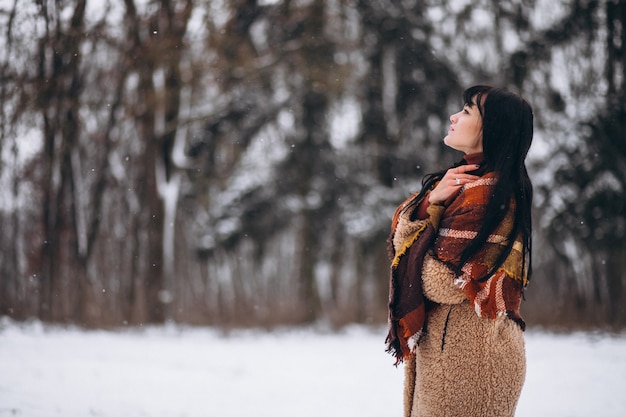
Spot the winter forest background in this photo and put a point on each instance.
(236, 162)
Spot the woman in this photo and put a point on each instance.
(461, 251)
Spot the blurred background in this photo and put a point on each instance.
(236, 162)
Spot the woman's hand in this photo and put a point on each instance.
(451, 183)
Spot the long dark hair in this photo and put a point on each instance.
(507, 121)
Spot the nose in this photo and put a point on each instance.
(453, 117)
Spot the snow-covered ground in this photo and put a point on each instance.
(179, 371)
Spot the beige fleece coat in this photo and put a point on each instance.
(464, 365)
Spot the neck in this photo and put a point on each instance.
(475, 158)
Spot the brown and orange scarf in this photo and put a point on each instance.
(446, 232)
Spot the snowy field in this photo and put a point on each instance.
(178, 371)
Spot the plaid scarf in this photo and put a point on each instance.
(409, 242)
(446, 232)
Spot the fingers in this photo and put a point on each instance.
(464, 168)
(457, 177)
(468, 177)
(462, 179)
(452, 181)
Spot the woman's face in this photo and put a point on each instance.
(466, 130)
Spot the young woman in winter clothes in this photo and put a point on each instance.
(461, 251)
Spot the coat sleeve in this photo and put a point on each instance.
(438, 282)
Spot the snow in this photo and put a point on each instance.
(182, 371)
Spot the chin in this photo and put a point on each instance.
(446, 142)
